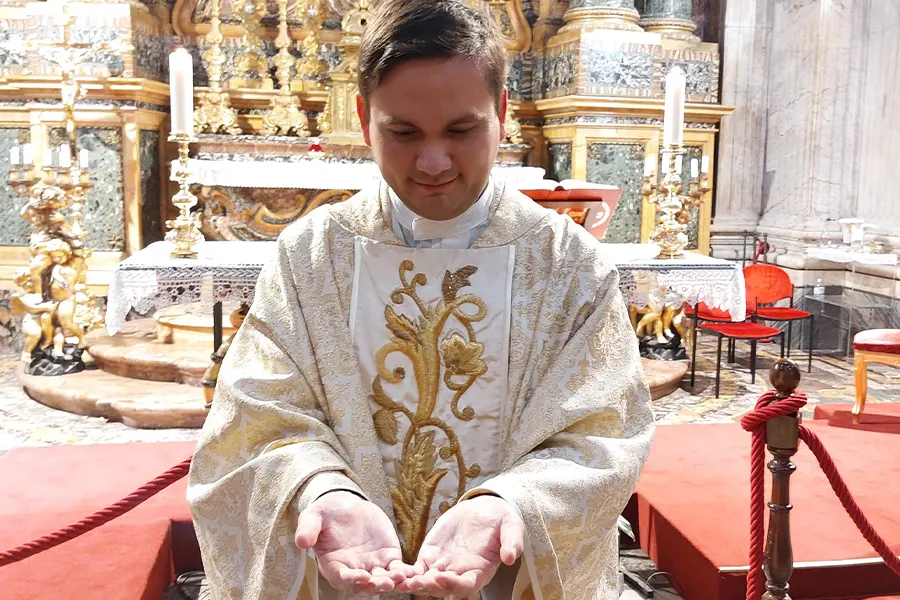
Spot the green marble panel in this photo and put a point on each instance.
(104, 220)
(693, 227)
(14, 231)
(665, 9)
(621, 165)
(601, 4)
(151, 186)
(560, 162)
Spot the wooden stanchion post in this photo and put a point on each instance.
(782, 439)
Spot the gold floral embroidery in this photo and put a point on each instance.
(461, 360)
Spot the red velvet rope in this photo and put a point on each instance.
(755, 422)
(97, 519)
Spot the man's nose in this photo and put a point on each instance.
(433, 159)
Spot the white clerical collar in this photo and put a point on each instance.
(426, 229)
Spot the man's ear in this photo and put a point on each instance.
(363, 114)
(504, 96)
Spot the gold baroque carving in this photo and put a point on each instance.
(272, 210)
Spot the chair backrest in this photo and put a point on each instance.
(766, 284)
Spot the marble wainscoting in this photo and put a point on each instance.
(622, 164)
(14, 231)
(560, 161)
(151, 187)
(104, 219)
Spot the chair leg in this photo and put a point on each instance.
(782, 344)
(790, 323)
(812, 339)
(693, 348)
(861, 378)
(752, 361)
(718, 365)
(731, 359)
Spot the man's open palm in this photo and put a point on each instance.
(355, 544)
(464, 549)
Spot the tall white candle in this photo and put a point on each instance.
(649, 166)
(27, 154)
(14, 155)
(673, 126)
(48, 157)
(704, 165)
(678, 164)
(695, 168)
(65, 156)
(181, 91)
(83, 159)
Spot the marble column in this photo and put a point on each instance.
(671, 18)
(742, 140)
(601, 14)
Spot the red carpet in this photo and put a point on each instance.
(692, 502)
(130, 558)
(884, 416)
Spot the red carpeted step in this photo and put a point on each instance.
(693, 507)
(130, 558)
(878, 416)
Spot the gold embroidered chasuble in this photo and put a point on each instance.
(420, 377)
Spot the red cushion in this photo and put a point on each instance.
(886, 341)
(709, 314)
(744, 331)
(781, 313)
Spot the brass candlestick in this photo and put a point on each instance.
(184, 231)
(671, 225)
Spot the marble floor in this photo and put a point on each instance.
(24, 422)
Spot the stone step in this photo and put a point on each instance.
(136, 403)
(135, 352)
(664, 376)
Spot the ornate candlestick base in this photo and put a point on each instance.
(285, 117)
(184, 230)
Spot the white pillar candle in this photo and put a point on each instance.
(48, 157)
(704, 165)
(83, 159)
(65, 156)
(695, 168)
(14, 155)
(678, 163)
(27, 154)
(181, 91)
(649, 166)
(673, 126)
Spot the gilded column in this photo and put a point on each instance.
(671, 18)
(601, 14)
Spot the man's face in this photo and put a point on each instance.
(434, 129)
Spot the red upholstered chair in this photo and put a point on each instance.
(732, 331)
(700, 313)
(878, 346)
(768, 284)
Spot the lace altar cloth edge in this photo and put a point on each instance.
(151, 279)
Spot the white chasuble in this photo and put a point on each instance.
(430, 328)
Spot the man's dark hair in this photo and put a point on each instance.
(404, 30)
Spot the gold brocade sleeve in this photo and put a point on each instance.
(575, 453)
(265, 452)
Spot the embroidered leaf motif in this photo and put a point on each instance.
(453, 282)
(417, 481)
(386, 426)
(378, 395)
(401, 326)
(462, 357)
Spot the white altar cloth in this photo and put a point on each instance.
(151, 279)
(844, 255)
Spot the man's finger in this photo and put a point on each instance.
(512, 538)
(458, 585)
(309, 526)
(426, 585)
(399, 571)
(353, 577)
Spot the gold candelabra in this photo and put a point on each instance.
(284, 117)
(673, 205)
(184, 231)
(215, 114)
